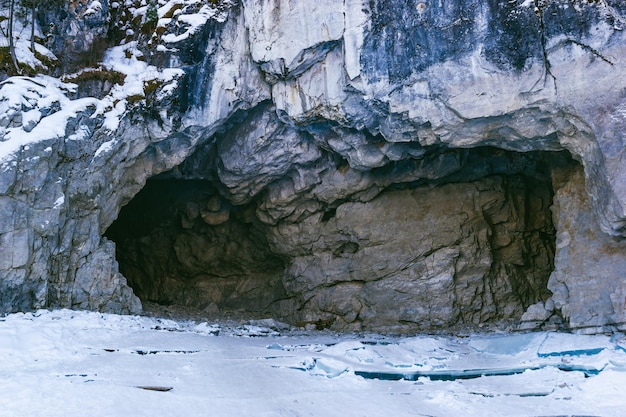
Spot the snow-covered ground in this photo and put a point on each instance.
(69, 363)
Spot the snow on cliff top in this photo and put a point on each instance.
(34, 109)
(39, 108)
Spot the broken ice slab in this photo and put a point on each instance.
(586, 370)
(248, 330)
(275, 346)
(275, 325)
(207, 329)
(511, 344)
(327, 367)
(313, 347)
(443, 374)
(408, 353)
(330, 368)
(456, 374)
(539, 383)
(562, 344)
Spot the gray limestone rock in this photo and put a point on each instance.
(76, 32)
(384, 165)
(450, 265)
(587, 283)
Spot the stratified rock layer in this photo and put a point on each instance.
(355, 168)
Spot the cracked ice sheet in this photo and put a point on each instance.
(68, 363)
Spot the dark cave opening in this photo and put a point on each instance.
(181, 244)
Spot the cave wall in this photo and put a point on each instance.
(425, 258)
(305, 109)
(180, 243)
(586, 260)
(473, 247)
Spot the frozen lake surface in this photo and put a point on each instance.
(71, 363)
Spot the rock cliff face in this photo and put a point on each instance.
(383, 165)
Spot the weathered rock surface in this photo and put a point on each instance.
(462, 254)
(189, 247)
(385, 164)
(587, 261)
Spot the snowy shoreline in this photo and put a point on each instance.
(69, 363)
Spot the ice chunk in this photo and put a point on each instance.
(621, 344)
(208, 329)
(330, 368)
(364, 355)
(561, 344)
(456, 374)
(254, 331)
(271, 323)
(587, 370)
(511, 344)
(275, 346)
(444, 374)
(531, 383)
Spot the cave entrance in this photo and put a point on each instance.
(180, 244)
